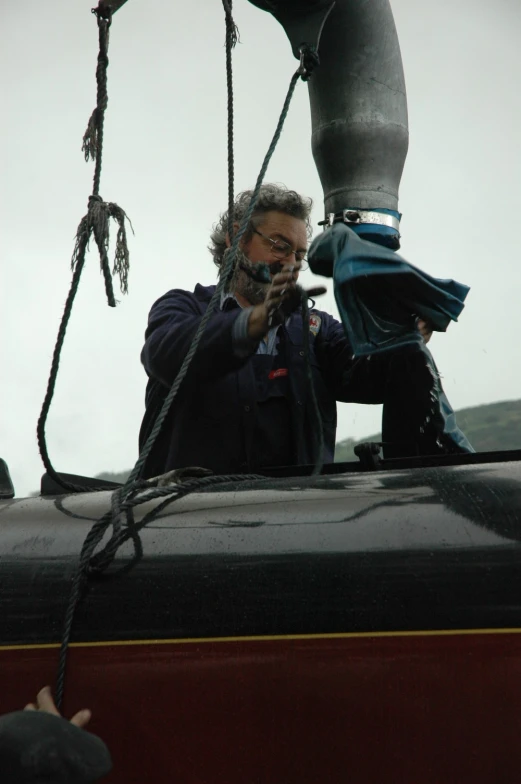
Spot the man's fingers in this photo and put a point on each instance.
(277, 292)
(316, 291)
(279, 288)
(45, 702)
(425, 329)
(274, 301)
(282, 278)
(82, 718)
(423, 326)
(278, 285)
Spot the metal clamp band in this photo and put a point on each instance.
(361, 216)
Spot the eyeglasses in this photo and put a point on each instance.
(283, 250)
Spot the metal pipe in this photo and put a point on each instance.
(359, 108)
(358, 100)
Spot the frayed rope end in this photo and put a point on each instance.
(121, 257)
(90, 137)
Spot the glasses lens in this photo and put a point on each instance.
(281, 250)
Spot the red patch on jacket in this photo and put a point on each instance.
(314, 324)
(279, 373)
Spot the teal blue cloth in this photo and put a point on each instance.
(379, 295)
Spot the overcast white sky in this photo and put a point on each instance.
(165, 164)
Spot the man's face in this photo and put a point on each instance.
(280, 229)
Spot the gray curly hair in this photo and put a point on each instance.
(271, 197)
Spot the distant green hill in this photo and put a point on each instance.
(113, 476)
(489, 428)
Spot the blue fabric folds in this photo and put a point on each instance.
(379, 297)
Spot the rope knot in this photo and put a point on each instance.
(97, 222)
(309, 60)
(232, 31)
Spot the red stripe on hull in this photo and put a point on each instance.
(404, 709)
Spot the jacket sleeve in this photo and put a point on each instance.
(172, 325)
(350, 379)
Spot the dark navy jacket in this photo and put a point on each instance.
(213, 419)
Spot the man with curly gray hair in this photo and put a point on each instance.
(271, 198)
(245, 404)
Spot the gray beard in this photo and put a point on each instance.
(241, 283)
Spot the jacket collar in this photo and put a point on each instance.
(204, 293)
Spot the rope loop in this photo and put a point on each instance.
(309, 60)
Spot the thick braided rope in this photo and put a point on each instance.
(102, 97)
(231, 40)
(216, 298)
(317, 426)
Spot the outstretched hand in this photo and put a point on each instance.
(44, 702)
